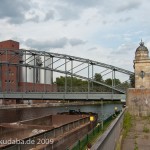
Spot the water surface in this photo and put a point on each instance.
(13, 115)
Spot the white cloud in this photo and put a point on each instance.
(101, 30)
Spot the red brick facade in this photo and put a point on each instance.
(9, 44)
(10, 75)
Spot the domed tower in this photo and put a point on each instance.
(141, 52)
(142, 67)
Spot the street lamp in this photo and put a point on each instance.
(142, 74)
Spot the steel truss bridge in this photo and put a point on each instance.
(39, 69)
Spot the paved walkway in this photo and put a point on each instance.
(138, 137)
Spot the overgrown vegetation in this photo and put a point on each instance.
(135, 146)
(146, 129)
(127, 123)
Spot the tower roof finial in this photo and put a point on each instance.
(141, 43)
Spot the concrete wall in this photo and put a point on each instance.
(138, 101)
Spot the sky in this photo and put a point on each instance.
(105, 31)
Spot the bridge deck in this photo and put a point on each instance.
(62, 96)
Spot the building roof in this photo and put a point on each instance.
(9, 41)
(142, 47)
(9, 44)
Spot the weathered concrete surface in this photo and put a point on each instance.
(138, 101)
(138, 137)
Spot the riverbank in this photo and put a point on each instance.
(83, 103)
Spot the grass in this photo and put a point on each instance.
(127, 123)
(145, 129)
(135, 146)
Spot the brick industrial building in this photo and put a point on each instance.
(11, 76)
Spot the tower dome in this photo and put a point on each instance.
(141, 52)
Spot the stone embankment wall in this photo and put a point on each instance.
(138, 101)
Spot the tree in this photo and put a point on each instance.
(60, 81)
(108, 81)
(115, 81)
(98, 77)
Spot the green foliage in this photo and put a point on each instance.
(115, 81)
(125, 84)
(127, 123)
(108, 81)
(77, 85)
(60, 81)
(136, 146)
(98, 77)
(146, 129)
